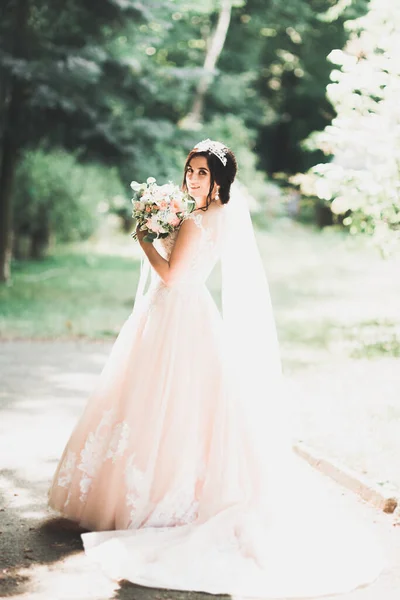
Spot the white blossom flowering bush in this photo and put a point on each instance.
(362, 181)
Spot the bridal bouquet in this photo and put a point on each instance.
(159, 209)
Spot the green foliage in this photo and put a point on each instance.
(114, 83)
(362, 181)
(65, 69)
(56, 197)
(275, 79)
(237, 136)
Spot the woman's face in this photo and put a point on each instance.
(198, 178)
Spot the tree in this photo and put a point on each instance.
(112, 82)
(215, 46)
(58, 199)
(361, 182)
(65, 83)
(276, 77)
(13, 95)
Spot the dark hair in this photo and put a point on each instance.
(220, 174)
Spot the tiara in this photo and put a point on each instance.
(215, 148)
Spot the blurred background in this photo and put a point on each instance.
(306, 93)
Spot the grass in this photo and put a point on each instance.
(333, 296)
(336, 304)
(68, 295)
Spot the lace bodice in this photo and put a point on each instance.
(203, 250)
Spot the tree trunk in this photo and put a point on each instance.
(8, 164)
(10, 145)
(216, 45)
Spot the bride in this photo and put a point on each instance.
(181, 467)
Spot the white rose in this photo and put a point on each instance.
(170, 218)
(167, 188)
(153, 223)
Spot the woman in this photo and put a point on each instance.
(181, 465)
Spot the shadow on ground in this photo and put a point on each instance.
(26, 540)
(130, 591)
(29, 542)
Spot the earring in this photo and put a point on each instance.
(217, 194)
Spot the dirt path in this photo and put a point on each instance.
(43, 390)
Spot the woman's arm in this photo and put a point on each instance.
(185, 247)
(159, 264)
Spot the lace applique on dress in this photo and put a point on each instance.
(93, 451)
(67, 469)
(156, 295)
(119, 441)
(206, 245)
(178, 507)
(68, 498)
(136, 485)
(197, 218)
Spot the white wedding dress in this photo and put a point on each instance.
(166, 471)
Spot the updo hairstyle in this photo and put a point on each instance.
(220, 174)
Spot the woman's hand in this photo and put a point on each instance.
(140, 233)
